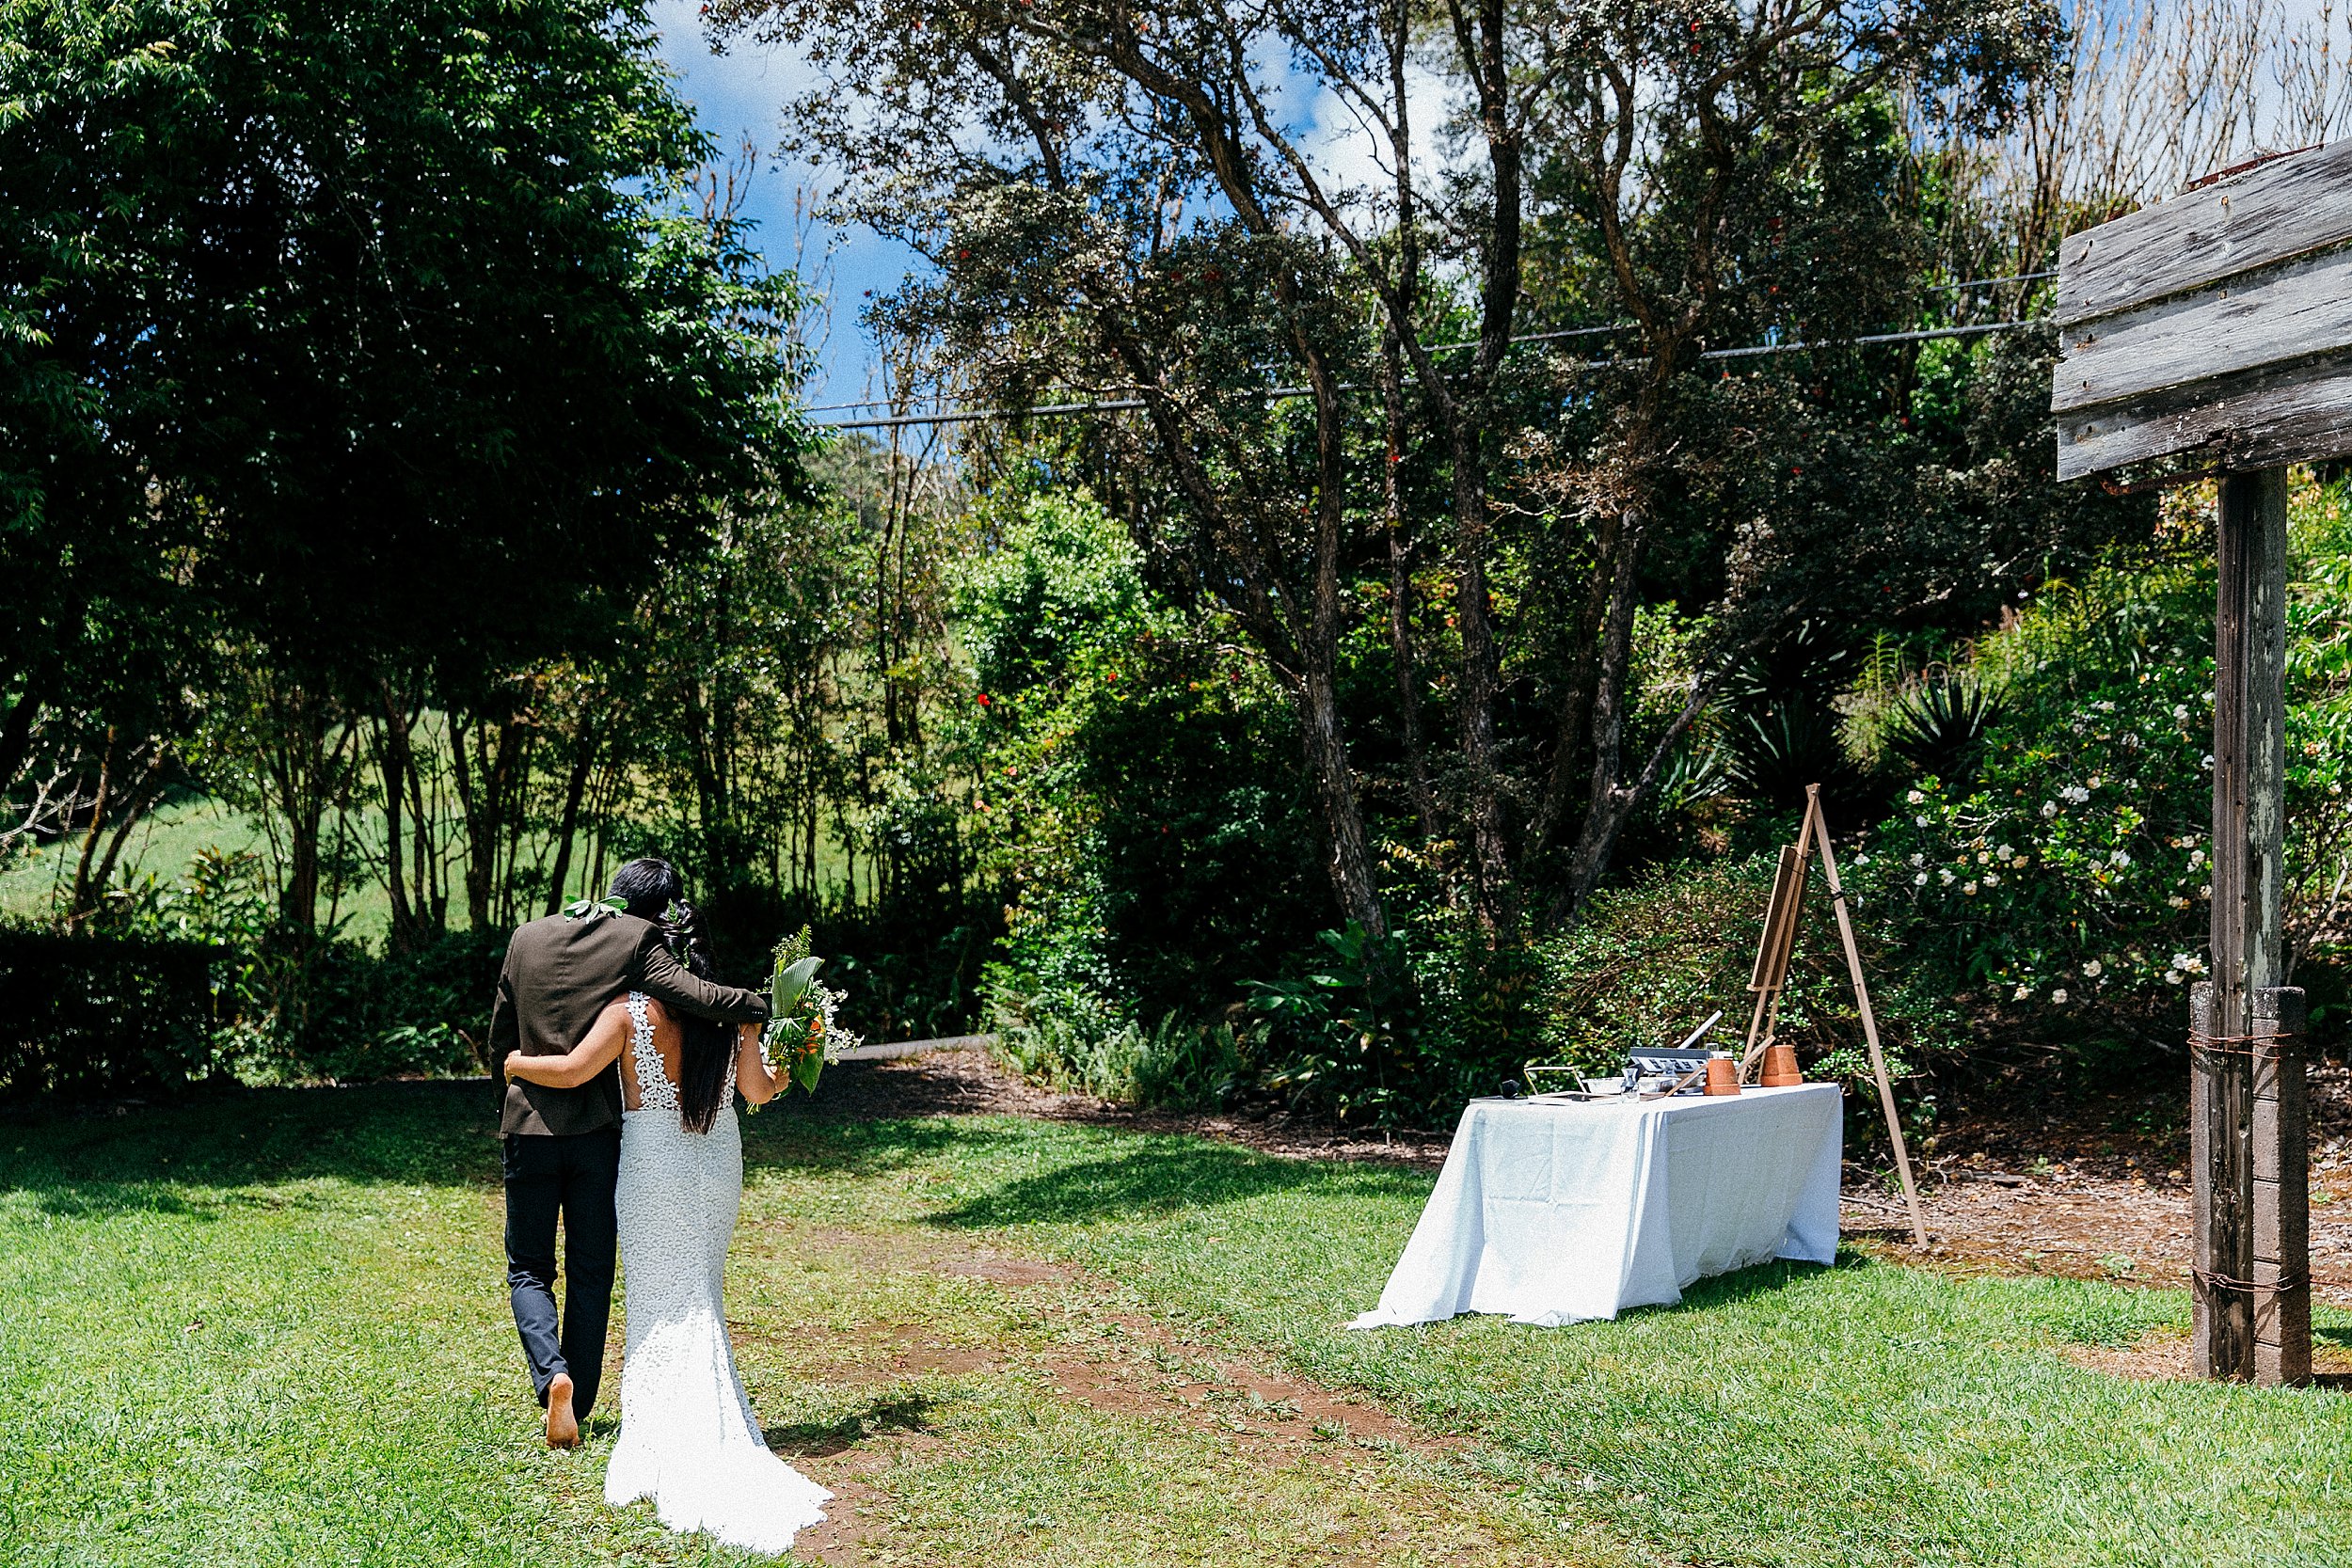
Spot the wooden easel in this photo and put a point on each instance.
(1769, 977)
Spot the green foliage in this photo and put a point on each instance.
(1653, 959)
(292, 1008)
(2069, 872)
(1137, 798)
(1074, 1043)
(1351, 1032)
(99, 1018)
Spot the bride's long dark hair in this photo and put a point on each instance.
(702, 1090)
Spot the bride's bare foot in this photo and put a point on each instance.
(563, 1426)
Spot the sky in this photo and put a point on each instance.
(740, 95)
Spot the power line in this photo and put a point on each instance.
(1433, 348)
(1275, 394)
(1988, 282)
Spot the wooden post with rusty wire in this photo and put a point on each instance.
(2210, 336)
(2248, 1120)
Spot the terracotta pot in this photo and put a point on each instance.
(1722, 1075)
(1780, 1067)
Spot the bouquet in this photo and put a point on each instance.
(802, 1035)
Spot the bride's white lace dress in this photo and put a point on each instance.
(689, 1440)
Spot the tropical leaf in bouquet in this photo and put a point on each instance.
(805, 1070)
(791, 984)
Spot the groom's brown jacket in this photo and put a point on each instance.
(559, 973)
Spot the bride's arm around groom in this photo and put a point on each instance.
(609, 1036)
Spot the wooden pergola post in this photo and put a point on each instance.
(2212, 335)
(2247, 1121)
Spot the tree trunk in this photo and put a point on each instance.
(1608, 805)
(78, 904)
(132, 810)
(575, 789)
(1343, 818)
(1401, 591)
(477, 882)
(1495, 899)
(391, 760)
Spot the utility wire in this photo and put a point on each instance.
(1433, 348)
(1274, 394)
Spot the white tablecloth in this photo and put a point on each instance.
(1555, 1213)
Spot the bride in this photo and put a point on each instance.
(689, 1440)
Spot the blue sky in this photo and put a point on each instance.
(740, 94)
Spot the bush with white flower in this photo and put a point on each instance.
(2073, 869)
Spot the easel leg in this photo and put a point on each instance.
(1870, 1019)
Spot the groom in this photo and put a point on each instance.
(564, 1146)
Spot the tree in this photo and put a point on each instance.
(400, 324)
(1141, 205)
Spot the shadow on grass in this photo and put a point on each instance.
(823, 1439)
(1163, 1176)
(780, 1137)
(203, 1157)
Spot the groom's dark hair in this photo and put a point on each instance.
(648, 887)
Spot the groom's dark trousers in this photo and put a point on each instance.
(564, 1146)
(572, 1176)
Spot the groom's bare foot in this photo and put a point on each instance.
(563, 1426)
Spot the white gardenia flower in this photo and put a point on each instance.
(2025, 993)
(2180, 712)
(1969, 888)
(2093, 783)
(2049, 809)
(1921, 881)
(1917, 859)
(2058, 996)
(1983, 858)
(1915, 798)
(2171, 976)
(2120, 857)
(1992, 879)
(1946, 873)
(2106, 707)
(1921, 821)
(2091, 968)
(2074, 794)
(2003, 853)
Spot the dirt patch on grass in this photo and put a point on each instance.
(969, 1082)
(1076, 1342)
(2157, 1359)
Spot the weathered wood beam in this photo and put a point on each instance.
(2269, 213)
(2259, 420)
(2245, 322)
(2249, 949)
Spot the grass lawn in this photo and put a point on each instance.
(273, 1330)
